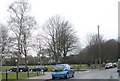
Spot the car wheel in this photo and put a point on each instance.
(53, 77)
(72, 75)
(118, 70)
(67, 76)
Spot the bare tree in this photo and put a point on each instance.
(21, 24)
(60, 37)
(3, 41)
(92, 41)
(39, 46)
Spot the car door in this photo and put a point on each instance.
(70, 72)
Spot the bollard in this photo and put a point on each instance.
(28, 73)
(6, 75)
(17, 74)
(43, 72)
(37, 73)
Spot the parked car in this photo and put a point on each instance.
(62, 71)
(39, 68)
(115, 64)
(20, 69)
(109, 65)
(118, 70)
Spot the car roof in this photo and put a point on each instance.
(108, 63)
(65, 65)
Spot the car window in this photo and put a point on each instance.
(40, 66)
(59, 67)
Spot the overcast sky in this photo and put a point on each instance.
(84, 15)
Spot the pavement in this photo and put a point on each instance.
(46, 76)
(97, 74)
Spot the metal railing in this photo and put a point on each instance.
(28, 73)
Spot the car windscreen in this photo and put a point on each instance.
(59, 67)
(39, 66)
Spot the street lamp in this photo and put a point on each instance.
(27, 69)
(27, 61)
(38, 63)
(16, 60)
(99, 48)
(40, 59)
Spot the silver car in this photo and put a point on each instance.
(109, 65)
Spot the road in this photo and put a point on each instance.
(90, 74)
(97, 74)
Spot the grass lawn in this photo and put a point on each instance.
(6, 67)
(78, 66)
(50, 67)
(22, 75)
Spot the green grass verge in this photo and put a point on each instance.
(22, 75)
(6, 67)
(50, 67)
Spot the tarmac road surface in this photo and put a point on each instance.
(89, 75)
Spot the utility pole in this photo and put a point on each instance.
(99, 55)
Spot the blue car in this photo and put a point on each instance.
(62, 71)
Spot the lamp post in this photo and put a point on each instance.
(41, 59)
(27, 69)
(16, 60)
(38, 63)
(0, 67)
(99, 48)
